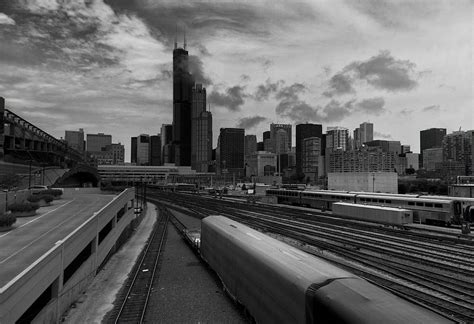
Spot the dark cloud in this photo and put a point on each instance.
(249, 122)
(339, 84)
(432, 108)
(264, 91)
(373, 106)
(201, 49)
(232, 98)
(196, 68)
(245, 78)
(382, 71)
(291, 92)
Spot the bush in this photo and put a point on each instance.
(36, 198)
(23, 207)
(7, 220)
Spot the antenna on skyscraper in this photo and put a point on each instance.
(184, 46)
(209, 107)
(176, 38)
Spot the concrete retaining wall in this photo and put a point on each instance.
(18, 295)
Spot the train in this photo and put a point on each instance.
(432, 210)
(278, 283)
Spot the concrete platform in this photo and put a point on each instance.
(34, 236)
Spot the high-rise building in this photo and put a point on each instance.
(337, 138)
(366, 132)
(155, 150)
(2, 126)
(143, 149)
(261, 164)
(280, 135)
(356, 140)
(201, 131)
(97, 142)
(266, 135)
(250, 144)
(133, 150)
(260, 146)
(182, 104)
(431, 138)
(230, 153)
(305, 131)
(167, 152)
(457, 148)
(405, 149)
(311, 157)
(75, 139)
(432, 158)
(113, 154)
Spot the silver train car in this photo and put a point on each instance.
(425, 210)
(280, 284)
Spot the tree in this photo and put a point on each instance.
(9, 181)
(410, 171)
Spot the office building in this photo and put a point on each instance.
(155, 150)
(143, 149)
(337, 138)
(432, 158)
(230, 151)
(366, 132)
(280, 135)
(457, 149)
(75, 139)
(260, 146)
(182, 105)
(133, 150)
(311, 157)
(431, 138)
(167, 152)
(386, 146)
(201, 131)
(250, 145)
(261, 164)
(405, 149)
(97, 142)
(364, 160)
(304, 131)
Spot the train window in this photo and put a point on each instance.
(381, 201)
(411, 203)
(429, 205)
(419, 204)
(438, 206)
(388, 201)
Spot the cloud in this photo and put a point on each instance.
(382, 135)
(5, 20)
(245, 78)
(196, 68)
(381, 71)
(339, 84)
(373, 106)
(291, 92)
(232, 98)
(432, 108)
(249, 122)
(265, 90)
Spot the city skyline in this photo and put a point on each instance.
(107, 66)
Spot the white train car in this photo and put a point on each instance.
(377, 214)
(278, 283)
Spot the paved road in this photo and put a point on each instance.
(33, 236)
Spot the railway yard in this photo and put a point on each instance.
(427, 265)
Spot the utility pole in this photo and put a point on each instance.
(29, 177)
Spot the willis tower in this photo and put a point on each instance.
(182, 104)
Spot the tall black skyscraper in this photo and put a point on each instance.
(305, 131)
(182, 103)
(431, 138)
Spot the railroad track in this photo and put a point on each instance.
(404, 275)
(132, 302)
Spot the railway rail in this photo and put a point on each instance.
(131, 304)
(415, 275)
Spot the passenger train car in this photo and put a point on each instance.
(278, 283)
(426, 209)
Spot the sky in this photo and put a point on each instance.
(106, 65)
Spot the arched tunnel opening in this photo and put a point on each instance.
(79, 179)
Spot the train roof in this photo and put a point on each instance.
(278, 255)
(401, 198)
(373, 207)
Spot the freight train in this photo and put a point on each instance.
(278, 283)
(426, 209)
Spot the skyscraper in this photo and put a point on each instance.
(304, 131)
(201, 131)
(143, 149)
(75, 139)
(431, 138)
(366, 132)
(155, 150)
(250, 145)
(182, 98)
(167, 152)
(337, 138)
(133, 150)
(231, 151)
(280, 134)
